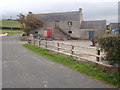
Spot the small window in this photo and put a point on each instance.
(36, 31)
(56, 21)
(69, 23)
(69, 31)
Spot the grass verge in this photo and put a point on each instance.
(10, 23)
(13, 32)
(88, 69)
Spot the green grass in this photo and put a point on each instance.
(89, 69)
(10, 23)
(13, 32)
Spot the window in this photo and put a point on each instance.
(69, 31)
(69, 23)
(36, 31)
(56, 21)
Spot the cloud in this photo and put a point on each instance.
(95, 9)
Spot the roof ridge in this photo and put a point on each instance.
(56, 13)
(94, 20)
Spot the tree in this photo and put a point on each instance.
(30, 22)
(108, 27)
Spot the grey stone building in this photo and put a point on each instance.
(89, 29)
(114, 26)
(69, 25)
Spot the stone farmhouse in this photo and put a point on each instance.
(69, 25)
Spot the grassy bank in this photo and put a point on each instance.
(10, 23)
(89, 69)
(13, 32)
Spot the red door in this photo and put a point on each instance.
(49, 33)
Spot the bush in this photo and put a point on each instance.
(111, 47)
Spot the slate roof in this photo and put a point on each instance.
(93, 24)
(62, 16)
(115, 26)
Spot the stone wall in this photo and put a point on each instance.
(75, 28)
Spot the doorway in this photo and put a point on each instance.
(91, 34)
(49, 33)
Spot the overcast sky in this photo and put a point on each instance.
(92, 9)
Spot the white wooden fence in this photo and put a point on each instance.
(68, 49)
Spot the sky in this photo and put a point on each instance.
(92, 9)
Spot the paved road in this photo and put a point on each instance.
(22, 68)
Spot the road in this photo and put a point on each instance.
(22, 68)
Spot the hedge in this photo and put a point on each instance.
(110, 45)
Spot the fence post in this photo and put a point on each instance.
(58, 46)
(46, 44)
(39, 43)
(72, 52)
(98, 53)
(29, 41)
(33, 41)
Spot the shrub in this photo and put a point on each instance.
(110, 45)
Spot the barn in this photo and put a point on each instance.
(69, 25)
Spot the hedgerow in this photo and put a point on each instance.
(110, 45)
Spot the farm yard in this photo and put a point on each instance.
(78, 54)
(79, 48)
(66, 44)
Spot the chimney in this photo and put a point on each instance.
(30, 13)
(80, 9)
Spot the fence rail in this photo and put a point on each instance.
(67, 49)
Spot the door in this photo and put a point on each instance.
(49, 33)
(91, 34)
(35, 34)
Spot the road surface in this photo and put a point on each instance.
(22, 68)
